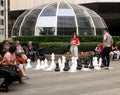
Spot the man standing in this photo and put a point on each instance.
(107, 41)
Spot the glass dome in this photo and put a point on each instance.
(58, 18)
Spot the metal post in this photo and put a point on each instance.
(6, 18)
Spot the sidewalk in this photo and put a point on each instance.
(103, 82)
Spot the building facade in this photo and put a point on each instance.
(109, 10)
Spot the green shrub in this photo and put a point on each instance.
(62, 38)
(63, 47)
(53, 47)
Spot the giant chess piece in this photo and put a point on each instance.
(42, 65)
(57, 69)
(91, 62)
(46, 63)
(52, 65)
(95, 63)
(99, 64)
(38, 65)
(74, 65)
(28, 65)
(79, 63)
(67, 67)
(62, 64)
(85, 63)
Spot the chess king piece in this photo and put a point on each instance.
(52, 65)
(46, 63)
(91, 62)
(79, 63)
(67, 67)
(57, 69)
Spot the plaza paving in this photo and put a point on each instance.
(103, 82)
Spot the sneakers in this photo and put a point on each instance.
(25, 77)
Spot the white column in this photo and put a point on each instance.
(6, 18)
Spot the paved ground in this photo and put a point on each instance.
(103, 82)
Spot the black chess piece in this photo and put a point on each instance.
(79, 63)
(91, 62)
(57, 69)
(67, 67)
(86, 62)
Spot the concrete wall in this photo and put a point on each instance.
(27, 4)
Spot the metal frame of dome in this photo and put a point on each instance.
(52, 16)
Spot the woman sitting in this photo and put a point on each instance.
(115, 50)
(10, 59)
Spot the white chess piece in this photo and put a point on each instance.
(38, 66)
(100, 61)
(96, 64)
(52, 65)
(60, 62)
(42, 65)
(62, 65)
(74, 65)
(28, 65)
(46, 63)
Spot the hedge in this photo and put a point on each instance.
(62, 38)
(63, 47)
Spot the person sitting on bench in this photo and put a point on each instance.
(10, 59)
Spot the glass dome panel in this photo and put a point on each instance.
(65, 12)
(86, 31)
(64, 21)
(50, 10)
(46, 30)
(92, 13)
(84, 22)
(46, 22)
(98, 23)
(66, 31)
(30, 21)
(63, 6)
(78, 11)
(15, 31)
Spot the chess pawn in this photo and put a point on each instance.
(67, 67)
(79, 63)
(62, 65)
(57, 69)
(38, 66)
(28, 66)
(42, 65)
(86, 63)
(46, 63)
